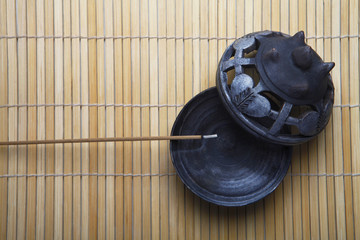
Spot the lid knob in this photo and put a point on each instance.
(302, 57)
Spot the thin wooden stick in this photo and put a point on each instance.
(111, 139)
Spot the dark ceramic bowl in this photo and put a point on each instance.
(234, 169)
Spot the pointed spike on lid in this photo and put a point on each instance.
(328, 66)
(300, 36)
(302, 57)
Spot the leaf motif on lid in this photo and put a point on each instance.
(256, 106)
(244, 43)
(246, 100)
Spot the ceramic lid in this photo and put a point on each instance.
(294, 90)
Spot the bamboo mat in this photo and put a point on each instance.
(112, 68)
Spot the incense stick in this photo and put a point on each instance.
(112, 139)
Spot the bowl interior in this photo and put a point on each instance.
(233, 169)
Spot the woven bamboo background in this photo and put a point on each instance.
(86, 68)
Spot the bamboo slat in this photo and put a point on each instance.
(76, 120)
(84, 92)
(22, 129)
(80, 69)
(171, 99)
(127, 155)
(321, 157)
(110, 122)
(136, 97)
(119, 122)
(180, 89)
(101, 118)
(4, 125)
(154, 118)
(163, 118)
(354, 113)
(68, 124)
(330, 188)
(31, 120)
(41, 119)
(59, 120)
(12, 68)
(49, 75)
(145, 124)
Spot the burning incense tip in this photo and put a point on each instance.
(210, 136)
